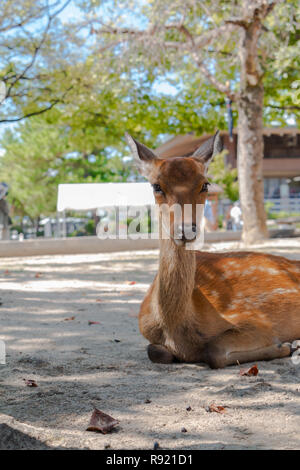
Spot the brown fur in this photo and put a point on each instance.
(206, 306)
(209, 307)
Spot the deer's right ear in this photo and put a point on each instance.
(143, 156)
(206, 152)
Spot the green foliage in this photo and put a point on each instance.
(41, 156)
(90, 227)
(101, 85)
(225, 176)
(34, 55)
(278, 215)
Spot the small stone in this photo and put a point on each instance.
(189, 408)
(183, 430)
(156, 446)
(147, 401)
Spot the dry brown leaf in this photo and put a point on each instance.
(101, 422)
(125, 292)
(30, 383)
(99, 300)
(216, 408)
(94, 323)
(38, 275)
(131, 283)
(70, 318)
(7, 272)
(253, 371)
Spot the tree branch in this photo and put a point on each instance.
(34, 113)
(292, 107)
(40, 111)
(212, 79)
(191, 45)
(37, 48)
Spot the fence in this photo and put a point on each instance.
(291, 205)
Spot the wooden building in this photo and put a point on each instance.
(281, 164)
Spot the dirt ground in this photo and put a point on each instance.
(79, 366)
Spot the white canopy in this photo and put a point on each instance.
(88, 196)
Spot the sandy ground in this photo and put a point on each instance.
(78, 366)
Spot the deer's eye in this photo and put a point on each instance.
(157, 189)
(204, 188)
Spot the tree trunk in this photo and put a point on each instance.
(250, 133)
(250, 161)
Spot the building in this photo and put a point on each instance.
(281, 164)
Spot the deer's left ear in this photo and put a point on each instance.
(143, 156)
(206, 152)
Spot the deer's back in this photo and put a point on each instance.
(245, 288)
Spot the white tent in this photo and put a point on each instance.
(92, 196)
(89, 196)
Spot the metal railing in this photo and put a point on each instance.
(284, 204)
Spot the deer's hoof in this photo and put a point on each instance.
(160, 354)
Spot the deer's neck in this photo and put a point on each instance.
(176, 278)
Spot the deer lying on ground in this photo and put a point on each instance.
(219, 309)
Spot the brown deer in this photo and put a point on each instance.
(210, 307)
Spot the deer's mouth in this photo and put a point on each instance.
(185, 233)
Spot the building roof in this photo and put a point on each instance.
(181, 145)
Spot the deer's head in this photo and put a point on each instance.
(179, 182)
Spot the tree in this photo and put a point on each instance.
(229, 45)
(42, 155)
(32, 48)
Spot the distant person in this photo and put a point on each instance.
(236, 217)
(209, 216)
(228, 220)
(4, 212)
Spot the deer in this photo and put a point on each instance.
(220, 309)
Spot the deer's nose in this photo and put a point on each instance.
(186, 231)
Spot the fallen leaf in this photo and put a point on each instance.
(125, 292)
(101, 422)
(38, 275)
(70, 318)
(216, 408)
(30, 383)
(253, 371)
(99, 300)
(131, 283)
(7, 272)
(94, 323)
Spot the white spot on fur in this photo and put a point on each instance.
(215, 294)
(281, 290)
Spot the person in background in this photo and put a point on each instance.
(228, 220)
(209, 216)
(4, 212)
(236, 217)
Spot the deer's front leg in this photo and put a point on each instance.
(235, 346)
(152, 330)
(160, 354)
